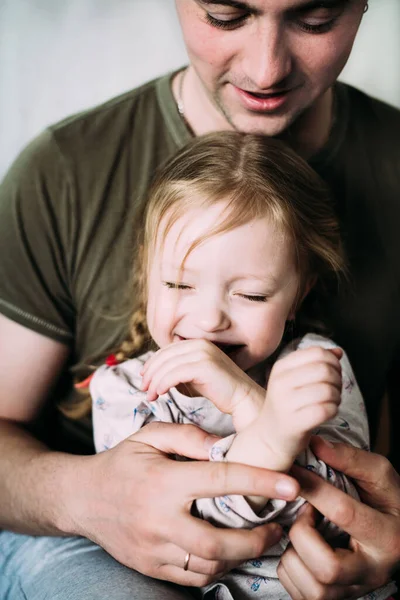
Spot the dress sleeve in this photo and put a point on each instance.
(120, 408)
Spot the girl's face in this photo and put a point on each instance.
(236, 289)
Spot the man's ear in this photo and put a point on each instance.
(307, 288)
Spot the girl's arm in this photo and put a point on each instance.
(349, 425)
(304, 391)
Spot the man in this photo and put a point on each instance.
(68, 210)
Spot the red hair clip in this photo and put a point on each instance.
(111, 360)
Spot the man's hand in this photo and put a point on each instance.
(310, 568)
(135, 502)
(207, 371)
(304, 391)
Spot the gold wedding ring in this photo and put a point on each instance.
(186, 563)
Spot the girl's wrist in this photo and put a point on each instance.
(249, 407)
(251, 447)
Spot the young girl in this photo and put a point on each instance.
(238, 229)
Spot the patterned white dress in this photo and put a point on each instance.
(120, 409)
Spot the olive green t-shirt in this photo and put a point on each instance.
(69, 213)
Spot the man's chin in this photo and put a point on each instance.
(271, 126)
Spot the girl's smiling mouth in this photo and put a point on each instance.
(226, 347)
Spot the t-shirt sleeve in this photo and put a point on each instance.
(36, 223)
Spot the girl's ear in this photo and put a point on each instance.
(307, 288)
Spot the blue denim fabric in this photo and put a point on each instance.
(51, 568)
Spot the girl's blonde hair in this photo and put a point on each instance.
(256, 177)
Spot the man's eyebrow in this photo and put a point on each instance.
(230, 3)
(312, 4)
(301, 6)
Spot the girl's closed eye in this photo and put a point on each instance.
(254, 297)
(176, 285)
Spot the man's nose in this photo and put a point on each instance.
(267, 60)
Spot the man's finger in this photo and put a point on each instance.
(212, 543)
(175, 555)
(175, 438)
(372, 473)
(301, 584)
(210, 480)
(354, 462)
(343, 567)
(287, 582)
(363, 523)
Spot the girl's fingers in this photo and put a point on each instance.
(171, 378)
(313, 416)
(158, 359)
(173, 371)
(312, 373)
(182, 348)
(174, 355)
(315, 394)
(338, 352)
(313, 404)
(309, 355)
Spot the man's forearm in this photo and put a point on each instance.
(36, 484)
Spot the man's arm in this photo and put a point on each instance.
(310, 567)
(29, 366)
(113, 498)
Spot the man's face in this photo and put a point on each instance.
(263, 63)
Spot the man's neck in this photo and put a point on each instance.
(199, 112)
(310, 132)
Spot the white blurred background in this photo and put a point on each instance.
(60, 56)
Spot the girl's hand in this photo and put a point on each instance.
(200, 368)
(304, 391)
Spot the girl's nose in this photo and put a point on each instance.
(213, 317)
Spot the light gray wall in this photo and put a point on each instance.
(60, 56)
(374, 65)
